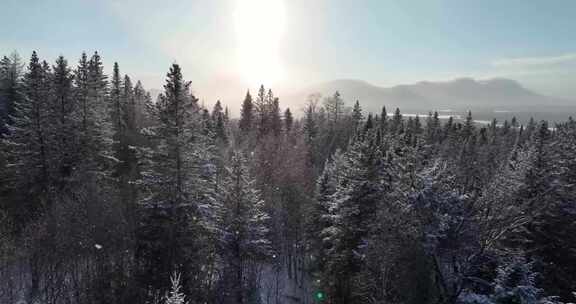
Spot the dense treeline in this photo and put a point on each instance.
(108, 195)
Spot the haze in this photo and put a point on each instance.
(228, 46)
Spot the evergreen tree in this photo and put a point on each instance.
(383, 119)
(226, 115)
(246, 122)
(396, 123)
(81, 83)
(244, 228)
(547, 194)
(116, 107)
(140, 100)
(91, 112)
(174, 181)
(175, 296)
(321, 219)
(310, 133)
(28, 142)
(262, 108)
(288, 120)
(334, 107)
(310, 127)
(62, 108)
(354, 207)
(219, 122)
(217, 110)
(433, 132)
(369, 124)
(128, 104)
(468, 129)
(275, 118)
(10, 88)
(357, 116)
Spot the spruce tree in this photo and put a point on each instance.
(175, 296)
(244, 232)
(357, 116)
(128, 107)
(288, 120)
(116, 108)
(175, 178)
(219, 123)
(321, 220)
(262, 109)
(91, 113)
(81, 83)
(140, 96)
(334, 107)
(246, 123)
(62, 108)
(275, 119)
(432, 131)
(383, 119)
(10, 88)
(226, 115)
(217, 110)
(27, 144)
(396, 123)
(468, 128)
(354, 205)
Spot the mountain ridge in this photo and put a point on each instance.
(459, 93)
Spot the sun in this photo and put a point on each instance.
(259, 26)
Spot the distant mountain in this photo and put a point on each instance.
(459, 94)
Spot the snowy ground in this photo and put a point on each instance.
(279, 287)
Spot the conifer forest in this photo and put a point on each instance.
(110, 195)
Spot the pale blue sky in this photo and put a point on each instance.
(385, 42)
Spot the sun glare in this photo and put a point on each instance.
(259, 29)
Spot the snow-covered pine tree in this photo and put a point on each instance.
(26, 146)
(116, 107)
(469, 172)
(515, 282)
(246, 122)
(354, 206)
(383, 123)
(321, 219)
(149, 112)
(139, 105)
(129, 107)
(357, 116)
(549, 196)
(262, 109)
(217, 110)
(219, 124)
(468, 128)
(226, 114)
(396, 123)
(81, 92)
(275, 119)
(91, 114)
(334, 107)
(10, 88)
(288, 121)
(63, 124)
(310, 126)
(171, 234)
(175, 295)
(244, 232)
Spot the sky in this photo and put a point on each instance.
(229, 45)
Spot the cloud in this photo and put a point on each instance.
(532, 62)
